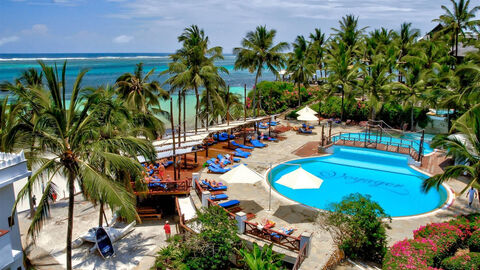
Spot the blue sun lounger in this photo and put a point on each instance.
(262, 126)
(217, 169)
(241, 154)
(301, 130)
(239, 150)
(168, 163)
(225, 160)
(229, 203)
(277, 236)
(234, 143)
(257, 143)
(305, 126)
(273, 123)
(222, 187)
(219, 197)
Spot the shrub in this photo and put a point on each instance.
(279, 96)
(410, 254)
(466, 261)
(357, 226)
(446, 237)
(474, 242)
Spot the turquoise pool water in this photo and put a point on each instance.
(383, 175)
(409, 139)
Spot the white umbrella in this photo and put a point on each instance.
(307, 117)
(307, 109)
(241, 175)
(282, 72)
(300, 179)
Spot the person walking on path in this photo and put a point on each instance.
(471, 194)
(167, 229)
(34, 201)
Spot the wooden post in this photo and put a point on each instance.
(323, 137)
(330, 131)
(228, 105)
(173, 141)
(420, 148)
(245, 103)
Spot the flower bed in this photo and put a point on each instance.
(434, 245)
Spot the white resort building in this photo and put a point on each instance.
(13, 167)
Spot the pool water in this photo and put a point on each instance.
(385, 176)
(408, 139)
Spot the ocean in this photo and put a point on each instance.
(105, 68)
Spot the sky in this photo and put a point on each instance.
(96, 26)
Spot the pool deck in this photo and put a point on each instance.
(286, 213)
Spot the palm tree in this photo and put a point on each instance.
(350, 33)
(261, 259)
(464, 148)
(405, 40)
(300, 65)
(457, 20)
(343, 71)
(194, 64)
(258, 52)
(138, 91)
(70, 136)
(317, 49)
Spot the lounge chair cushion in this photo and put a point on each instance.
(229, 203)
(219, 197)
(257, 143)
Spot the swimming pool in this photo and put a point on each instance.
(385, 176)
(408, 139)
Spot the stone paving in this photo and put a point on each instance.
(286, 213)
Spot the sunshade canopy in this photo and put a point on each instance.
(300, 179)
(307, 117)
(241, 175)
(307, 109)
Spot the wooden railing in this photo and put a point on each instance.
(285, 240)
(198, 189)
(302, 254)
(168, 187)
(181, 221)
(385, 143)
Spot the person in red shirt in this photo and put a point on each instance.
(167, 229)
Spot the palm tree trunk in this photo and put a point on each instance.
(179, 115)
(412, 128)
(71, 201)
(100, 217)
(184, 118)
(196, 108)
(257, 92)
(343, 109)
(30, 200)
(299, 97)
(207, 108)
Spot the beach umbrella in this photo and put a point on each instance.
(307, 117)
(307, 109)
(241, 175)
(300, 179)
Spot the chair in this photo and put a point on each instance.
(277, 237)
(257, 143)
(304, 131)
(219, 197)
(239, 150)
(241, 154)
(305, 126)
(230, 203)
(217, 169)
(210, 187)
(234, 143)
(168, 163)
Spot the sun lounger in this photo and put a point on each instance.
(262, 126)
(301, 130)
(305, 126)
(229, 203)
(277, 236)
(219, 197)
(273, 123)
(241, 145)
(221, 187)
(168, 163)
(239, 150)
(217, 169)
(257, 143)
(241, 154)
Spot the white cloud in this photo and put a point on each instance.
(37, 29)
(122, 39)
(6, 40)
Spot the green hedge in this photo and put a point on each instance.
(466, 261)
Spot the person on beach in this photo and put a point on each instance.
(34, 201)
(471, 194)
(167, 229)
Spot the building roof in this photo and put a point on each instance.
(13, 167)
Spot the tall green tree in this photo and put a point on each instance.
(463, 146)
(259, 52)
(457, 20)
(300, 65)
(317, 49)
(70, 137)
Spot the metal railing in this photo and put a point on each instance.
(385, 143)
